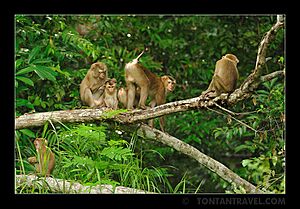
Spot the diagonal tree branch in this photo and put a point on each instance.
(215, 166)
(91, 115)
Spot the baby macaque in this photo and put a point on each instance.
(110, 98)
(45, 161)
(92, 86)
(225, 77)
(123, 94)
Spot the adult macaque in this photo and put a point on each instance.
(159, 88)
(137, 76)
(149, 84)
(225, 76)
(157, 93)
(92, 86)
(110, 98)
(45, 161)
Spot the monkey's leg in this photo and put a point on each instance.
(220, 86)
(100, 102)
(131, 95)
(162, 123)
(209, 89)
(144, 84)
(151, 121)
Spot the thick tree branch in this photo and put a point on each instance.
(91, 115)
(215, 166)
(67, 187)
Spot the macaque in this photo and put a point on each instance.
(92, 86)
(45, 161)
(158, 91)
(157, 98)
(225, 76)
(138, 76)
(149, 84)
(110, 98)
(123, 94)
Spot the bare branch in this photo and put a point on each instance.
(272, 75)
(68, 187)
(208, 162)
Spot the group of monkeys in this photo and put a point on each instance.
(97, 90)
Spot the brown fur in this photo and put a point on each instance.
(225, 76)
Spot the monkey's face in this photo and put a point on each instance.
(110, 88)
(99, 70)
(169, 83)
(110, 85)
(99, 73)
(39, 143)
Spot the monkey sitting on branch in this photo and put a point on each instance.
(45, 160)
(92, 86)
(110, 98)
(142, 83)
(225, 77)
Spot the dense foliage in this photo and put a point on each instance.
(53, 54)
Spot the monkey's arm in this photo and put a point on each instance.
(220, 85)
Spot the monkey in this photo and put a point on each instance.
(158, 93)
(45, 161)
(92, 86)
(110, 94)
(149, 84)
(123, 94)
(169, 84)
(135, 76)
(225, 77)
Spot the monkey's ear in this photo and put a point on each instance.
(93, 65)
(164, 78)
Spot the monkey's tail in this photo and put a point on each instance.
(136, 60)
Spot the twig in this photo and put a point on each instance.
(239, 121)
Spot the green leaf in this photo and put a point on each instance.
(28, 132)
(23, 102)
(242, 147)
(45, 73)
(33, 53)
(246, 162)
(25, 80)
(25, 70)
(41, 61)
(18, 62)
